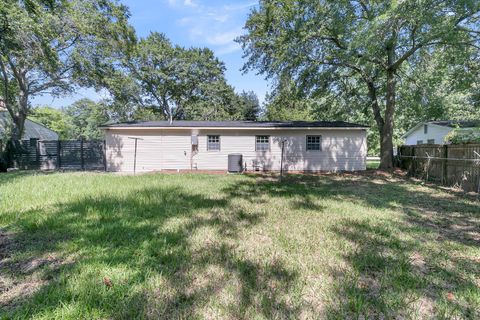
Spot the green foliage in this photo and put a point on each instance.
(442, 86)
(172, 81)
(219, 102)
(85, 116)
(6, 127)
(77, 121)
(464, 136)
(250, 106)
(44, 46)
(354, 54)
(54, 119)
(286, 103)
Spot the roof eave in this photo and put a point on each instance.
(232, 128)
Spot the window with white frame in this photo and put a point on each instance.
(314, 143)
(262, 143)
(431, 141)
(425, 129)
(419, 141)
(213, 143)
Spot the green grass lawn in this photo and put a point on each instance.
(90, 245)
(373, 164)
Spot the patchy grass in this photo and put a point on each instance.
(373, 164)
(85, 245)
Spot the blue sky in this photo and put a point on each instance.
(200, 23)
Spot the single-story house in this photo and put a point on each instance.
(206, 145)
(434, 132)
(32, 130)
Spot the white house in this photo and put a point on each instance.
(206, 145)
(434, 132)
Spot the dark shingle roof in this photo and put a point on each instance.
(32, 129)
(457, 123)
(235, 124)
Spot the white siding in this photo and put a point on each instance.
(171, 149)
(435, 132)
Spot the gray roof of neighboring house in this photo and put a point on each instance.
(32, 129)
(457, 123)
(234, 124)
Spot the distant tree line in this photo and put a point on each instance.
(81, 120)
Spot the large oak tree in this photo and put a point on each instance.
(174, 82)
(361, 45)
(44, 43)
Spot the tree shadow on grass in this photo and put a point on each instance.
(168, 253)
(410, 266)
(455, 216)
(389, 276)
(154, 253)
(16, 176)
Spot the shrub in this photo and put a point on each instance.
(463, 136)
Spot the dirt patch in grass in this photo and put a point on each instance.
(22, 278)
(5, 243)
(12, 287)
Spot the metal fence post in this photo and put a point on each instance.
(59, 157)
(82, 158)
(445, 165)
(104, 153)
(413, 166)
(37, 154)
(33, 147)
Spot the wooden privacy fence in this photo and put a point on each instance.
(36, 154)
(449, 165)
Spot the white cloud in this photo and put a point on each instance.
(215, 26)
(223, 38)
(231, 47)
(184, 21)
(187, 3)
(240, 6)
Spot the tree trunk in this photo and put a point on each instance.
(18, 126)
(386, 132)
(20, 117)
(386, 147)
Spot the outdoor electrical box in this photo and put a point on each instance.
(235, 163)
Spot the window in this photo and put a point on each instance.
(419, 141)
(431, 141)
(314, 143)
(213, 143)
(425, 129)
(262, 143)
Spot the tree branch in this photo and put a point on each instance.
(5, 84)
(17, 74)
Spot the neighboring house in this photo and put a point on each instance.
(32, 129)
(205, 145)
(434, 132)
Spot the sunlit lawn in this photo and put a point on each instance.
(91, 245)
(373, 164)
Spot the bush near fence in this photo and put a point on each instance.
(450, 165)
(36, 154)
